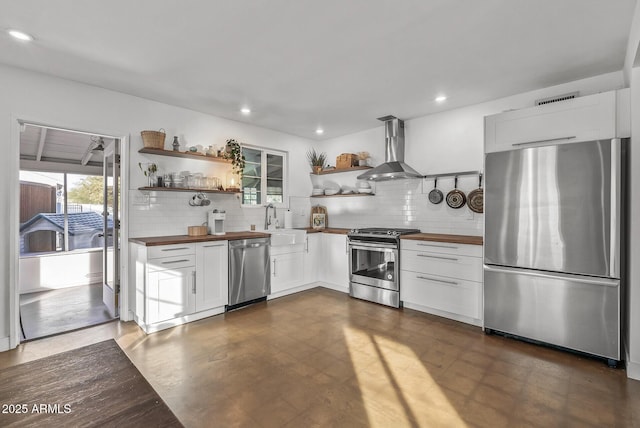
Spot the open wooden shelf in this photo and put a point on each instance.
(188, 155)
(184, 189)
(340, 195)
(335, 171)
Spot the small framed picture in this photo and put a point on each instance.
(319, 221)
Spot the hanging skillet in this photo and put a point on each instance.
(456, 198)
(475, 201)
(435, 195)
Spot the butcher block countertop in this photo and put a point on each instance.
(451, 239)
(335, 230)
(186, 239)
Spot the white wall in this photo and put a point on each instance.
(52, 101)
(633, 283)
(60, 270)
(439, 143)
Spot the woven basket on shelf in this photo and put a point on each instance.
(153, 139)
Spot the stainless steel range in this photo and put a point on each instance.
(374, 264)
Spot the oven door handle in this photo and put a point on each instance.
(369, 246)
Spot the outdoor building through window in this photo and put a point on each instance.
(55, 218)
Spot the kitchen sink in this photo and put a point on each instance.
(287, 237)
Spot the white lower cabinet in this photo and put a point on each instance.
(335, 261)
(212, 275)
(287, 271)
(170, 294)
(455, 296)
(443, 279)
(312, 251)
(179, 283)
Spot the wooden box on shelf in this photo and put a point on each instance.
(346, 160)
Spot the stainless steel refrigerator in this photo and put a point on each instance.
(553, 218)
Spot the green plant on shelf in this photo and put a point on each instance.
(233, 151)
(316, 160)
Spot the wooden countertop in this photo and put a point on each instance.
(336, 230)
(186, 239)
(452, 239)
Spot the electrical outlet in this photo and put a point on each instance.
(141, 200)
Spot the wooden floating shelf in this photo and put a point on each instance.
(184, 189)
(188, 155)
(335, 171)
(340, 195)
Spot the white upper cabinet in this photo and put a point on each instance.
(592, 117)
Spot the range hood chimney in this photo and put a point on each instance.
(394, 167)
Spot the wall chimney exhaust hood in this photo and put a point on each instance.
(394, 167)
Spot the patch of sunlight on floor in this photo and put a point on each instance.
(395, 386)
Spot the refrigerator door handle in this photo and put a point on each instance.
(614, 244)
(540, 274)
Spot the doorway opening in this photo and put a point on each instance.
(69, 231)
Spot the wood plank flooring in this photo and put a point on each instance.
(320, 358)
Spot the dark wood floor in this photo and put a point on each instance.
(320, 358)
(95, 385)
(56, 311)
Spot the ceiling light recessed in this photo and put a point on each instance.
(319, 131)
(20, 35)
(441, 98)
(245, 110)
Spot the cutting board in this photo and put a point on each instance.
(319, 209)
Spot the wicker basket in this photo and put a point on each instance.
(153, 139)
(346, 160)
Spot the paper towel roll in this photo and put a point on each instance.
(288, 219)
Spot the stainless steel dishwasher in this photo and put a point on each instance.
(249, 271)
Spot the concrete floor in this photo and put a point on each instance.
(320, 358)
(56, 311)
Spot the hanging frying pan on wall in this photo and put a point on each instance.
(435, 195)
(475, 201)
(456, 198)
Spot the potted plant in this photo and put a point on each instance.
(150, 172)
(233, 151)
(316, 160)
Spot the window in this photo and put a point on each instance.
(264, 177)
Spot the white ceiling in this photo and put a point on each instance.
(303, 64)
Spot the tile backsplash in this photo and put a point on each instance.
(400, 203)
(405, 203)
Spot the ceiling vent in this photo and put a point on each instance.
(557, 98)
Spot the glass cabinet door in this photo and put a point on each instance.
(252, 177)
(275, 178)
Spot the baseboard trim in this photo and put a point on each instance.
(633, 369)
(163, 325)
(291, 291)
(5, 344)
(335, 287)
(443, 314)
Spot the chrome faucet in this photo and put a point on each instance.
(267, 218)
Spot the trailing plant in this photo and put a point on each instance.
(233, 151)
(316, 159)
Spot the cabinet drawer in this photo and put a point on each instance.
(445, 294)
(453, 266)
(442, 247)
(176, 262)
(585, 118)
(170, 250)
